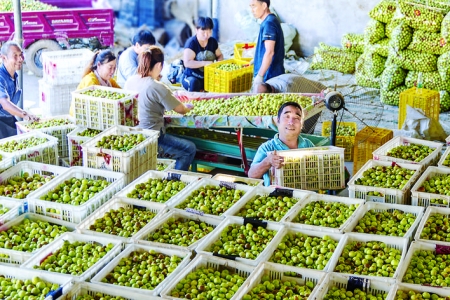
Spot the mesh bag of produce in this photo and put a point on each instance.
(420, 16)
(383, 11)
(392, 97)
(428, 42)
(443, 5)
(371, 63)
(374, 31)
(381, 48)
(443, 66)
(392, 25)
(325, 47)
(445, 27)
(353, 42)
(392, 77)
(445, 101)
(430, 80)
(414, 61)
(342, 61)
(401, 36)
(365, 80)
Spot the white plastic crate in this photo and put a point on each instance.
(184, 254)
(187, 179)
(264, 255)
(297, 195)
(239, 179)
(6, 162)
(386, 195)
(390, 241)
(431, 159)
(15, 208)
(46, 153)
(443, 157)
(293, 213)
(55, 99)
(64, 162)
(197, 174)
(417, 211)
(142, 236)
(59, 132)
(74, 142)
(314, 233)
(64, 283)
(174, 203)
(32, 168)
(14, 257)
(65, 66)
(447, 140)
(133, 163)
(102, 113)
(420, 198)
(276, 272)
(76, 213)
(115, 203)
(406, 287)
(80, 289)
(431, 210)
(372, 286)
(163, 164)
(217, 263)
(54, 246)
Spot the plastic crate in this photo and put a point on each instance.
(102, 113)
(326, 198)
(54, 246)
(368, 140)
(431, 210)
(64, 283)
(277, 272)
(132, 163)
(217, 263)
(6, 162)
(443, 157)
(314, 233)
(298, 195)
(202, 248)
(387, 195)
(444, 293)
(185, 254)
(175, 202)
(46, 153)
(238, 179)
(65, 66)
(345, 142)
(447, 140)
(141, 237)
(76, 213)
(431, 159)
(163, 164)
(55, 99)
(317, 168)
(59, 132)
(64, 162)
(374, 286)
(239, 48)
(196, 174)
(380, 207)
(187, 179)
(74, 142)
(419, 198)
(427, 100)
(14, 257)
(390, 241)
(221, 81)
(15, 208)
(31, 168)
(116, 203)
(80, 289)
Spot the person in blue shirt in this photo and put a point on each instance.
(12, 57)
(290, 122)
(269, 53)
(199, 51)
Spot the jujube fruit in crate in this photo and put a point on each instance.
(342, 130)
(33, 288)
(3, 209)
(326, 214)
(120, 142)
(105, 94)
(98, 296)
(156, 189)
(277, 289)
(336, 293)
(436, 228)
(266, 207)
(89, 132)
(386, 222)
(413, 295)
(437, 184)
(48, 123)
(428, 268)
(410, 152)
(16, 145)
(20, 186)
(392, 177)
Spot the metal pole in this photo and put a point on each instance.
(18, 37)
(215, 18)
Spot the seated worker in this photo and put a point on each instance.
(290, 123)
(289, 83)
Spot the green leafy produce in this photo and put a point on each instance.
(436, 228)
(48, 123)
(123, 143)
(430, 80)
(374, 31)
(414, 61)
(392, 77)
(428, 42)
(428, 268)
(384, 11)
(386, 177)
(412, 152)
(27, 5)
(267, 207)
(22, 185)
(420, 16)
(353, 42)
(443, 66)
(445, 101)
(276, 289)
(386, 222)
(339, 60)
(89, 132)
(401, 36)
(392, 97)
(372, 63)
(33, 288)
(229, 67)
(156, 189)
(336, 293)
(16, 145)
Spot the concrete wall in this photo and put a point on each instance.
(315, 20)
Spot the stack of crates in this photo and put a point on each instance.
(427, 100)
(62, 72)
(140, 12)
(219, 80)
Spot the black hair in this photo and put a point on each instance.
(204, 23)
(289, 103)
(265, 1)
(102, 57)
(144, 37)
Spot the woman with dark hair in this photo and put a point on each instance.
(199, 51)
(154, 99)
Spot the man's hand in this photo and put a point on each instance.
(275, 160)
(189, 106)
(258, 79)
(30, 117)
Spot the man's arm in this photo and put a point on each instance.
(190, 62)
(12, 108)
(219, 55)
(257, 170)
(268, 56)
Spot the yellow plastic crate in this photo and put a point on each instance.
(426, 100)
(345, 142)
(221, 81)
(368, 140)
(240, 47)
